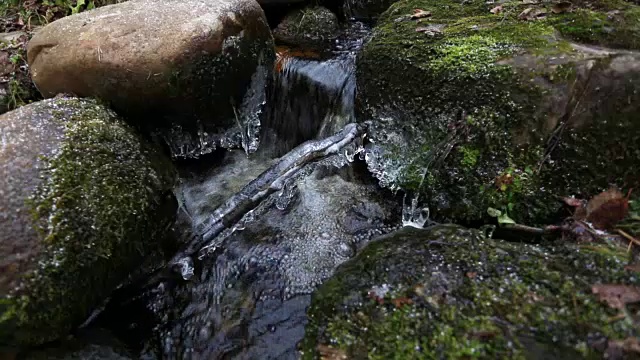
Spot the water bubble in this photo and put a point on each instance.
(488, 230)
(412, 215)
(186, 267)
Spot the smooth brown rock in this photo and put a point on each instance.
(182, 60)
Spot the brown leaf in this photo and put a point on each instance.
(532, 14)
(616, 296)
(496, 10)
(431, 30)
(561, 7)
(633, 268)
(503, 181)
(471, 274)
(482, 335)
(329, 353)
(399, 302)
(607, 208)
(419, 14)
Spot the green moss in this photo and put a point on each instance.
(451, 293)
(469, 156)
(487, 83)
(102, 207)
(600, 28)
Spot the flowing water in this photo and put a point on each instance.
(243, 294)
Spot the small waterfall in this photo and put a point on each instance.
(271, 222)
(309, 99)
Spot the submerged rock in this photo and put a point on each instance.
(448, 292)
(313, 26)
(83, 200)
(95, 344)
(476, 110)
(169, 62)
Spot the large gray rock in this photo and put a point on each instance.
(83, 201)
(183, 60)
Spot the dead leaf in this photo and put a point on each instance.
(503, 181)
(607, 208)
(532, 14)
(617, 296)
(419, 14)
(633, 268)
(482, 335)
(399, 302)
(471, 274)
(561, 7)
(329, 353)
(431, 30)
(496, 10)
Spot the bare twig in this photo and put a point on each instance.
(628, 237)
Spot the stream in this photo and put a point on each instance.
(265, 229)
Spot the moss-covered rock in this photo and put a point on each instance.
(314, 26)
(83, 201)
(500, 112)
(449, 293)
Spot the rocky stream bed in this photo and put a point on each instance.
(284, 179)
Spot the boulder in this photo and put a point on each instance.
(308, 27)
(162, 62)
(478, 106)
(83, 201)
(449, 293)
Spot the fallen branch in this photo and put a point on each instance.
(270, 181)
(532, 230)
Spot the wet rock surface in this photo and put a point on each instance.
(83, 200)
(92, 344)
(250, 287)
(450, 292)
(475, 110)
(182, 63)
(308, 27)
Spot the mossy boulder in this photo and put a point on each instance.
(449, 293)
(309, 27)
(83, 202)
(474, 110)
(160, 62)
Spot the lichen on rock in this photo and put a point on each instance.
(85, 201)
(450, 292)
(520, 94)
